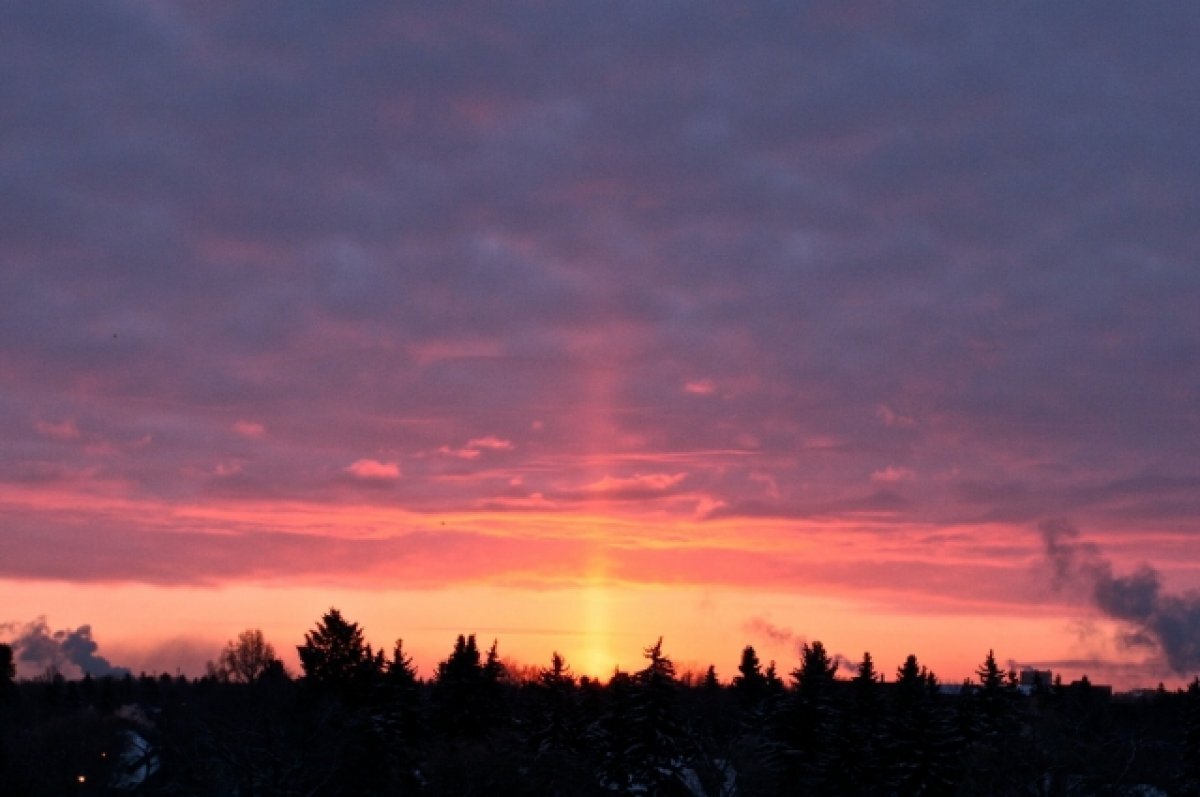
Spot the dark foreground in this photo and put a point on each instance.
(366, 725)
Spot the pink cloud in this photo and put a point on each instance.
(459, 453)
(476, 446)
(761, 627)
(490, 443)
(892, 418)
(639, 483)
(892, 474)
(374, 470)
(249, 429)
(65, 430)
(437, 351)
(700, 387)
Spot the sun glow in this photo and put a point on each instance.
(597, 658)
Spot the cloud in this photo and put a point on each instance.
(460, 453)
(374, 470)
(489, 443)
(890, 418)
(1170, 622)
(63, 430)
(892, 474)
(640, 486)
(71, 652)
(476, 447)
(249, 429)
(954, 240)
(776, 635)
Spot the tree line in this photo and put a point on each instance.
(358, 720)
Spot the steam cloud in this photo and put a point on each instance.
(760, 626)
(1169, 622)
(41, 649)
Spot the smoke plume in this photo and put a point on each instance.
(1169, 622)
(37, 649)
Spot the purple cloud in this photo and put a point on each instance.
(924, 267)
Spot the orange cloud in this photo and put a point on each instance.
(374, 470)
(638, 484)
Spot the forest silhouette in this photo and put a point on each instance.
(359, 721)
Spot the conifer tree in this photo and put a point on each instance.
(855, 757)
(8, 667)
(556, 727)
(467, 691)
(335, 658)
(654, 748)
(817, 670)
(803, 731)
(920, 751)
(1191, 737)
(750, 684)
(403, 694)
(400, 670)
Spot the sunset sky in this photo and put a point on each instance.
(576, 324)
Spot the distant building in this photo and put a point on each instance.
(1085, 687)
(1029, 679)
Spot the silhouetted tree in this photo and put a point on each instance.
(245, 659)
(643, 740)
(555, 731)
(856, 752)
(1191, 737)
(557, 727)
(466, 689)
(8, 667)
(994, 738)
(336, 659)
(400, 671)
(711, 682)
(775, 685)
(994, 698)
(750, 684)
(817, 670)
(920, 754)
(803, 731)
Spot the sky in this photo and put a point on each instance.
(577, 324)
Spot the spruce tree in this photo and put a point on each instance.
(920, 752)
(750, 685)
(856, 752)
(803, 729)
(336, 659)
(1191, 738)
(8, 667)
(654, 750)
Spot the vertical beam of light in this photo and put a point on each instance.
(598, 660)
(598, 431)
